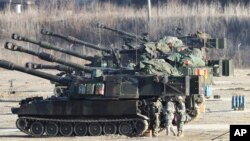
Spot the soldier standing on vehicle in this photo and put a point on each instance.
(155, 110)
(169, 112)
(131, 65)
(181, 115)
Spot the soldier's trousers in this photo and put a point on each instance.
(169, 124)
(156, 123)
(180, 125)
(169, 119)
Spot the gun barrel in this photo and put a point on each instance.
(50, 58)
(46, 57)
(46, 45)
(11, 66)
(32, 65)
(75, 40)
(131, 35)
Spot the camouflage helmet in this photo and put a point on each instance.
(197, 52)
(159, 99)
(179, 98)
(202, 35)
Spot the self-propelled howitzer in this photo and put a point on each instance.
(115, 104)
(120, 58)
(65, 114)
(114, 58)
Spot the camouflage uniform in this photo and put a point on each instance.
(156, 108)
(131, 65)
(181, 115)
(169, 111)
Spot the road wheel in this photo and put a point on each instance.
(66, 129)
(37, 129)
(51, 129)
(125, 128)
(20, 124)
(95, 129)
(109, 128)
(81, 129)
(141, 126)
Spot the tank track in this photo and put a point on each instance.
(39, 127)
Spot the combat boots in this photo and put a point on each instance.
(180, 134)
(155, 134)
(170, 129)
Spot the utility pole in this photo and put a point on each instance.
(158, 8)
(149, 10)
(149, 15)
(10, 1)
(21, 5)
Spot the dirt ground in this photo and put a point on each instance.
(212, 123)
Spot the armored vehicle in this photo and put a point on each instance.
(109, 104)
(190, 61)
(187, 53)
(95, 100)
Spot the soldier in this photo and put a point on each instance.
(131, 65)
(169, 112)
(155, 110)
(181, 115)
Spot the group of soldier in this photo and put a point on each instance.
(173, 111)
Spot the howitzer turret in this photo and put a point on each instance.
(51, 47)
(131, 36)
(76, 41)
(11, 66)
(53, 67)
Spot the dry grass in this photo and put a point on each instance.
(231, 22)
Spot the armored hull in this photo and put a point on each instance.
(121, 109)
(64, 117)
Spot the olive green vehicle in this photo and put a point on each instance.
(99, 99)
(109, 104)
(112, 94)
(186, 53)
